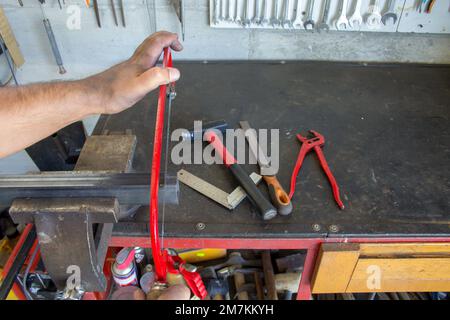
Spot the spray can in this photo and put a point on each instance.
(124, 268)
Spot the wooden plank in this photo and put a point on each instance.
(10, 40)
(405, 249)
(401, 275)
(334, 267)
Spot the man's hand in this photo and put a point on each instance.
(176, 292)
(125, 84)
(33, 112)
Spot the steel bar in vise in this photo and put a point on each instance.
(127, 188)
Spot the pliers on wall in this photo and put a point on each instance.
(315, 143)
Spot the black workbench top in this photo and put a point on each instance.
(387, 131)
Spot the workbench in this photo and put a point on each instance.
(387, 132)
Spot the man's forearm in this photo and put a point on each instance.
(31, 113)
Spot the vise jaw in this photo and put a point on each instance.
(65, 230)
(74, 233)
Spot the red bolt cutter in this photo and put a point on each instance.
(315, 143)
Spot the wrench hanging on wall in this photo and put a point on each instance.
(373, 20)
(390, 13)
(309, 19)
(342, 22)
(323, 24)
(356, 18)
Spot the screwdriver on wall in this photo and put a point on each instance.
(122, 12)
(114, 12)
(51, 38)
(97, 14)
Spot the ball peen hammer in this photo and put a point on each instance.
(264, 206)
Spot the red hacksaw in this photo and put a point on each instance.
(163, 261)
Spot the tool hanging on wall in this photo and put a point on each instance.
(11, 65)
(390, 14)
(9, 46)
(430, 6)
(180, 11)
(61, 4)
(315, 143)
(356, 19)
(122, 12)
(421, 6)
(51, 38)
(97, 14)
(166, 261)
(323, 24)
(279, 197)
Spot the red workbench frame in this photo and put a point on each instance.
(311, 245)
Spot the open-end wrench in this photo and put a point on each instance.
(275, 21)
(323, 24)
(230, 13)
(216, 13)
(342, 21)
(266, 15)
(390, 13)
(248, 8)
(223, 10)
(373, 20)
(257, 17)
(298, 15)
(356, 17)
(309, 19)
(237, 16)
(287, 21)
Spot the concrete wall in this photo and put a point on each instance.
(92, 49)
